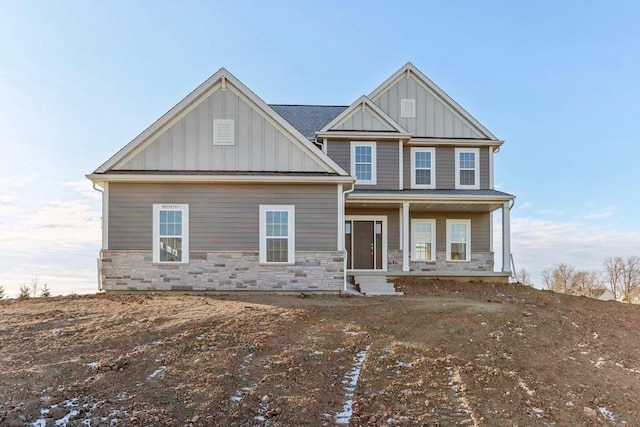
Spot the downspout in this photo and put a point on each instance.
(97, 188)
(344, 249)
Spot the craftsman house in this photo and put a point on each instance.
(225, 192)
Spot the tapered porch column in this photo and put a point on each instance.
(405, 236)
(506, 238)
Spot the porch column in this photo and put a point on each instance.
(405, 236)
(506, 238)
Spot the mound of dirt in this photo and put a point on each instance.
(446, 353)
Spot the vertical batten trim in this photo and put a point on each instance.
(401, 162)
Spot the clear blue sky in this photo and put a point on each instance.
(558, 81)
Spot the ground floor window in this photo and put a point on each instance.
(423, 238)
(277, 234)
(171, 233)
(458, 240)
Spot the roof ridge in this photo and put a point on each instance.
(307, 105)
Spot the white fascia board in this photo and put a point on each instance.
(102, 178)
(355, 135)
(381, 115)
(457, 142)
(430, 86)
(383, 198)
(189, 102)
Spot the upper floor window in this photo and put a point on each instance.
(170, 233)
(423, 168)
(223, 132)
(468, 168)
(277, 234)
(407, 108)
(363, 162)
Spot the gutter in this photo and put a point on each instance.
(99, 265)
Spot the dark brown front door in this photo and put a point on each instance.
(363, 245)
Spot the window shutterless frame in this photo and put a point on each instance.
(277, 234)
(363, 162)
(170, 233)
(467, 168)
(423, 168)
(458, 240)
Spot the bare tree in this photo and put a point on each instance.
(559, 278)
(630, 277)
(588, 283)
(523, 277)
(613, 269)
(34, 286)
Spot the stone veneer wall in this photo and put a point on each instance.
(221, 271)
(480, 261)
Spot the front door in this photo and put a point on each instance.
(364, 241)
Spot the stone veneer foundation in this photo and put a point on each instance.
(220, 271)
(480, 261)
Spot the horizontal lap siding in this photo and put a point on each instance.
(222, 217)
(480, 228)
(387, 161)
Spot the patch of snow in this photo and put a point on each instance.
(539, 412)
(351, 381)
(156, 342)
(91, 364)
(524, 386)
(403, 364)
(507, 356)
(64, 420)
(497, 335)
(200, 337)
(600, 363)
(156, 372)
(338, 350)
(607, 414)
(483, 323)
(583, 344)
(595, 336)
(351, 332)
(575, 324)
(569, 404)
(41, 422)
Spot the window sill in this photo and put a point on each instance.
(160, 263)
(269, 264)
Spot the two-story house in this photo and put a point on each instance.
(226, 192)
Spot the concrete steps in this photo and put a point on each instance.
(375, 285)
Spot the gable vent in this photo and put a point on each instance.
(407, 108)
(223, 132)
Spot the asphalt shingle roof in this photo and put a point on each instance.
(308, 119)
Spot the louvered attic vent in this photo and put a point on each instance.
(407, 108)
(223, 132)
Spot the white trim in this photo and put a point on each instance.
(383, 219)
(467, 223)
(104, 178)
(408, 108)
(401, 165)
(476, 152)
(217, 124)
(458, 142)
(400, 228)
(374, 163)
(431, 198)
(365, 135)
(415, 150)
(405, 236)
(291, 231)
(325, 148)
(358, 105)
(414, 224)
(184, 208)
(105, 215)
(506, 238)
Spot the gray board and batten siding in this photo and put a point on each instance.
(387, 162)
(260, 143)
(361, 120)
(223, 216)
(434, 117)
(480, 226)
(446, 168)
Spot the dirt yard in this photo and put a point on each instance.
(444, 354)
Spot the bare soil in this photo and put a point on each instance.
(444, 354)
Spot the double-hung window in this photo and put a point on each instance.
(468, 168)
(171, 233)
(458, 240)
(363, 162)
(423, 238)
(277, 234)
(423, 168)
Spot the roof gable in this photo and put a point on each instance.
(363, 116)
(437, 115)
(182, 139)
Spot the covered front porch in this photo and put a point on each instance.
(448, 236)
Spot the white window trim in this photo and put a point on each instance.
(291, 210)
(408, 107)
(374, 163)
(157, 207)
(476, 186)
(415, 150)
(466, 222)
(216, 124)
(414, 223)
